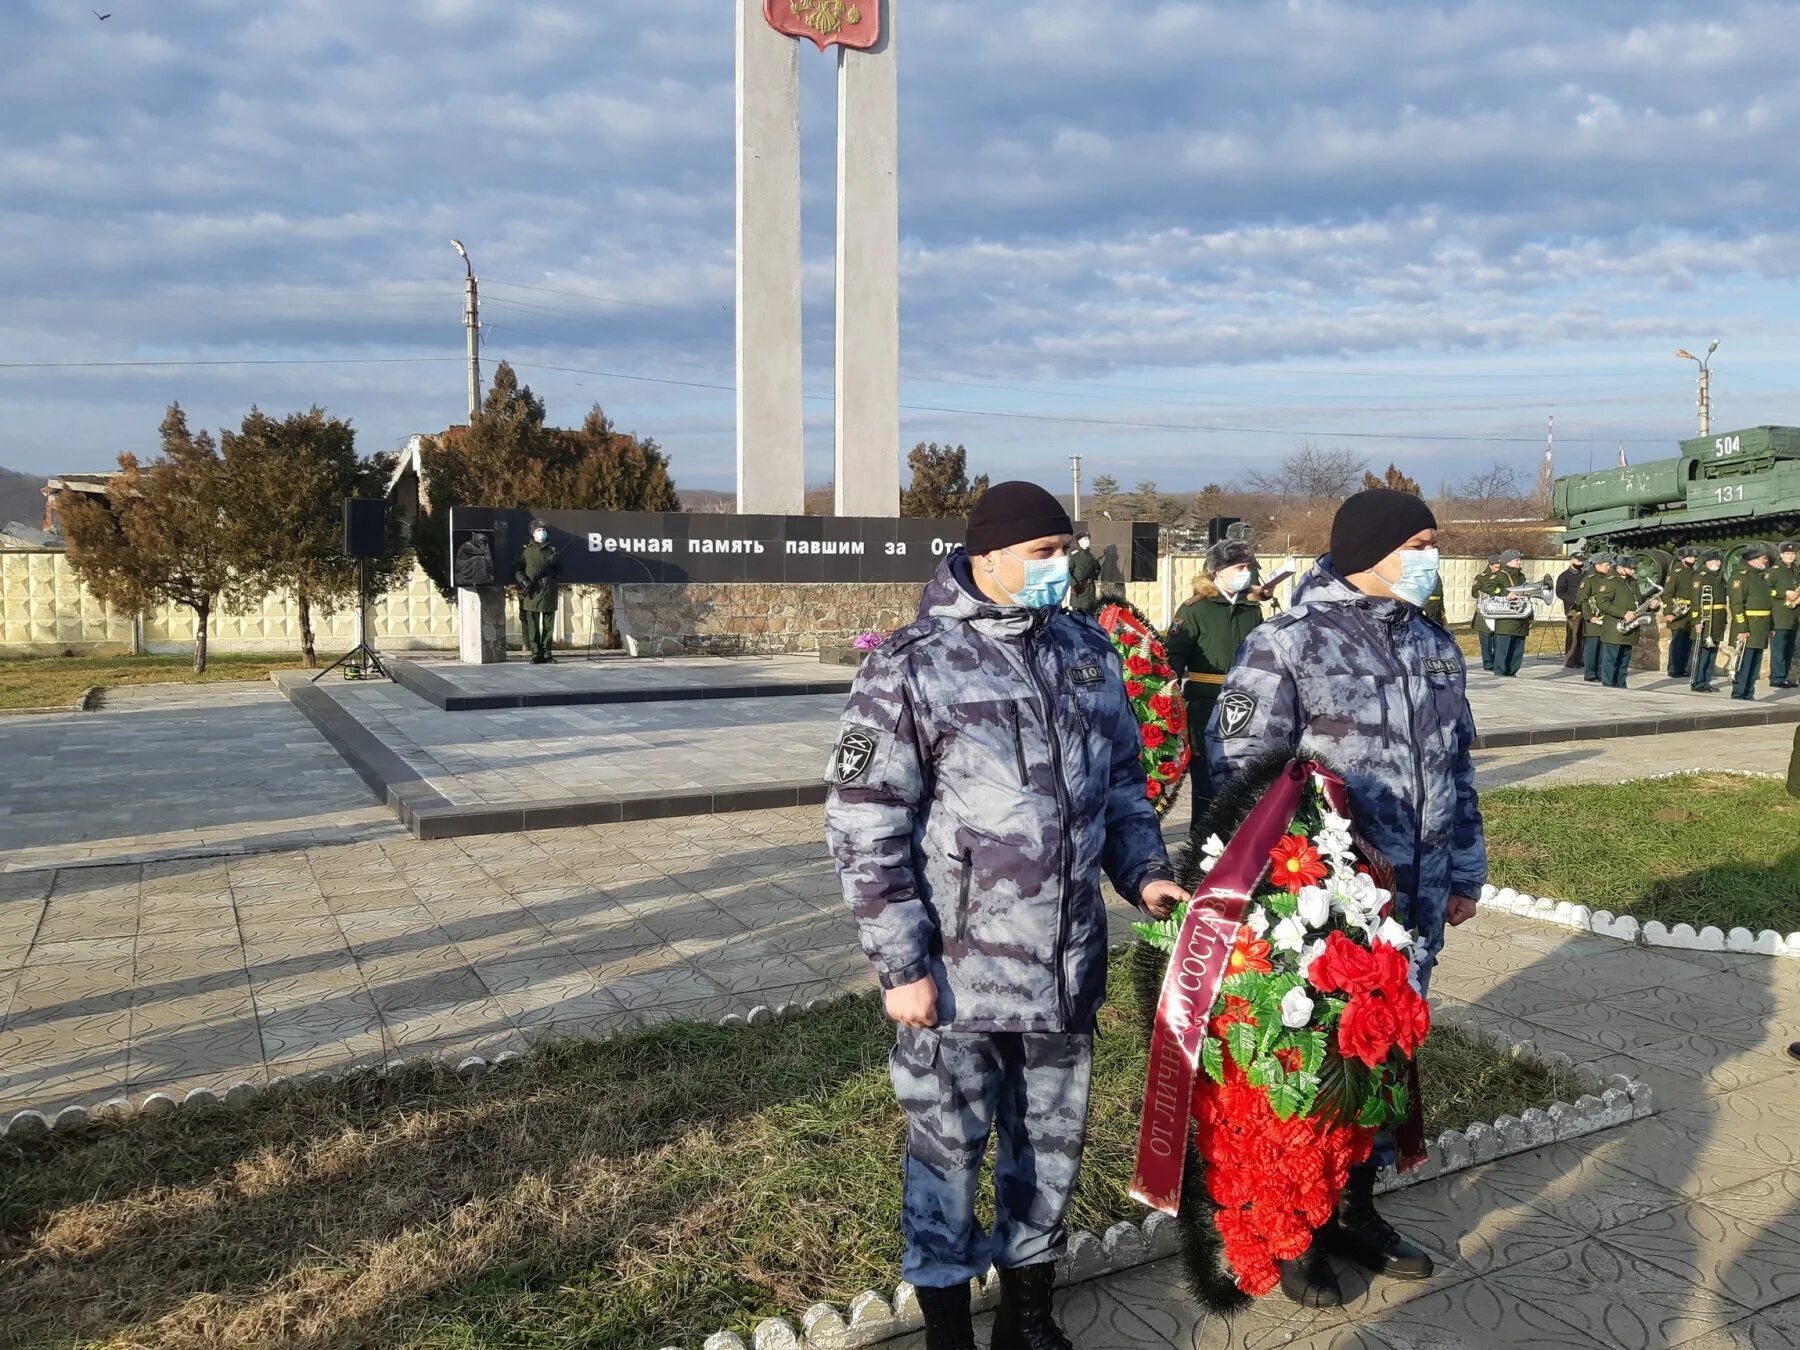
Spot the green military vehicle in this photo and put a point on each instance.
(1722, 490)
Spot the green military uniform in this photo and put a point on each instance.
(1433, 608)
(1202, 644)
(1679, 586)
(1613, 599)
(1084, 581)
(1712, 623)
(1784, 576)
(1752, 598)
(536, 578)
(1508, 634)
(1485, 581)
(1590, 616)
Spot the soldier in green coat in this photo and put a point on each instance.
(1510, 634)
(536, 578)
(1712, 618)
(1616, 604)
(1084, 578)
(1752, 617)
(1680, 587)
(1203, 643)
(1601, 564)
(1785, 577)
(1486, 583)
(1433, 608)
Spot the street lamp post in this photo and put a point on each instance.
(472, 322)
(1704, 362)
(1075, 511)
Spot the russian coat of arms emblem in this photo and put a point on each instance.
(842, 23)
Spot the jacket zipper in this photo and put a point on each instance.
(1412, 717)
(1019, 747)
(962, 904)
(1063, 813)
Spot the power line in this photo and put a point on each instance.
(241, 361)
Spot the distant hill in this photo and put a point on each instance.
(705, 499)
(21, 497)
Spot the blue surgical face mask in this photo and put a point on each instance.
(1046, 582)
(1418, 575)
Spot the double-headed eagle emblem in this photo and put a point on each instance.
(844, 23)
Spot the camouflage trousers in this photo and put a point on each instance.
(1029, 1088)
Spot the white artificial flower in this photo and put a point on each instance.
(1289, 935)
(1394, 934)
(1257, 921)
(1210, 853)
(1296, 1008)
(1311, 952)
(1315, 906)
(1333, 838)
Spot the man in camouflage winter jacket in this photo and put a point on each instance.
(1354, 674)
(986, 775)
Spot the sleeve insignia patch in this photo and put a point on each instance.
(1440, 665)
(1236, 708)
(854, 754)
(1087, 675)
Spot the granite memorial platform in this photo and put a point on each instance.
(581, 743)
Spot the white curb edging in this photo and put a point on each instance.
(1626, 927)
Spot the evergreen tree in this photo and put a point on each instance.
(940, 482)
(1394, 479)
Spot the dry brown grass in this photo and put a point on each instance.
(641, 1192)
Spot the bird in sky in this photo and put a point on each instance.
(98, 15)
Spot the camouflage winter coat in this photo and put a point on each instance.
(1373, 685)
(986, 773)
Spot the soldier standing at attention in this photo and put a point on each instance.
(1568, 595)
(1204, 641)
(1785, 577)
(1353, 674)
(986, 775)
(1591, 621)
(1712, 609)
(1616, 603)
(1679, 587)
(1510, 634)
(1752, 617)
(1084, 578)
(1487, 583)
(536, 577)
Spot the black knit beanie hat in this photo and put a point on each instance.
(1011, 513)
(1372, 524)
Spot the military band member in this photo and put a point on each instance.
(1752, 617)
(1568, 594)
(1616, 603)
(1785, 576)
(1510, 634)
(1680, 587)
(1489, 582)
(1711, 618)
(1590, 657)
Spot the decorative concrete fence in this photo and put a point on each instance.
(45, 611)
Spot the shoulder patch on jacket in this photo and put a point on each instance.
(1440, 665)
(854, 754)
(1089, 674)
(1236, 708)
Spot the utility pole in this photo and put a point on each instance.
(1075, 463)
(472, 322)
(1705, 401)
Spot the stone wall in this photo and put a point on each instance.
(723, 620)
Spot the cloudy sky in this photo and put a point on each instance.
(1175, 238)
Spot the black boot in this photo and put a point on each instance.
(1309, 1279)
(1370, 1240)
(1025, 1321)
(947, 1322)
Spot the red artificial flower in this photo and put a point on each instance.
(1166, 706)
(1153, 789)
(1134, 688)
(1249, 953)
(1154, 735)
(1384, 1010)
(1297, 864)
(1289, 1058)
(1170, 769)
(1156, 650)
(1137, 665)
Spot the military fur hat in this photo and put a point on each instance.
(1493, 560)
(1228, 553)
(1628, 561)
(1510, 556)
(1579, 555)
(537, 525)
(1752, 551)
(1602, 560)
(1712, 555)
(1687, 551)
(1787, 546)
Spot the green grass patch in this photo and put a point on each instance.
(1704, 848)
(639, 1192)
(57, 681)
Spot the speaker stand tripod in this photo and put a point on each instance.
(361, 662)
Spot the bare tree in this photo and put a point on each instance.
(1491, 494)
(1313, 472)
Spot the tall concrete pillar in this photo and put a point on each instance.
(771, 449)
(868, 278)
